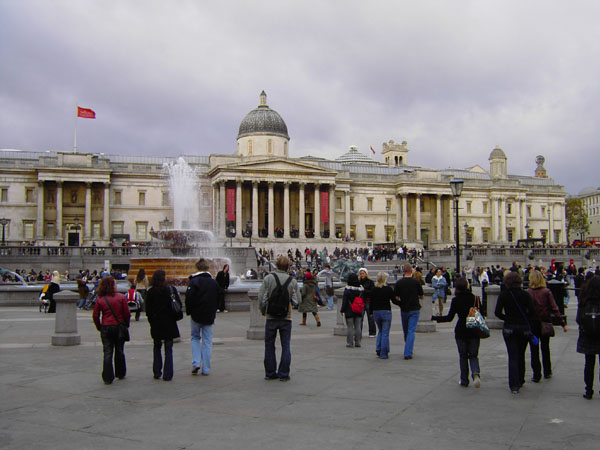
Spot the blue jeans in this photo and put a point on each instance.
(409, 327)
(468, 354)
(285, 336)
(383, 320)
(201, 351)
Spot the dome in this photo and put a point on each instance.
(354, 156)
(263, 120)
(497, 153)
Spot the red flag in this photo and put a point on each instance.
(372, 150)
(86, 113)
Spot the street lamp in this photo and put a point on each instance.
(4, 222)
(387, 224)
(456, 186)
(164, 224)
(249, 232)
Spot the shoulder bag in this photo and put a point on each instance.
(476, 322)
(123, 328)
(534, 339)
(176, 306)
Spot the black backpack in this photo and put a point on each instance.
(278, 304)
(590, 320)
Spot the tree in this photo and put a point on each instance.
(576, 216)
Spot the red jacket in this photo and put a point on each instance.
(118, 303)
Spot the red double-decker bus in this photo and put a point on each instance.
(589, 241)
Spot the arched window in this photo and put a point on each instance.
(249, 146)
(270, 146)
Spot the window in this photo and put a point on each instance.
(556, 235)
(249, 146)
(509, 208)
(3, 195)
(96, 230)
(270, 146)
(117, 227)
(370, 229)
(351, 203)
(338, 203)
(369, 204)
(141, 231)
(388, 204)
(543, 211)
(528, 210)
(509, 233)
(469, 234)
(285, 149)
(485, 234)
(117, 199)
(485, 207)
(49, 230)
(352, 231)
(29, 195)
(469, 207)
(165, 198)
(50, 197)
(28, 229)
(142, 198)
(544, 234)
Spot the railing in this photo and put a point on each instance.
(551, 252)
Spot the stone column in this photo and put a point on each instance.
(418, 217)
(255, 224)
(438, 217)
(397, 221)
(551, 223)
(563, 222)
(301, 211)
(340, 325)
(494, 206)
(271, 224)
(215, 210)
(503, 219)
(87, 231)
(425, 324)
(59, 210)
(332, 211)
(238, 208)
(39, 224)
(347, 213)
(286, 210)
(523, 205)
(404, 218)
(518, 225)
(65, 322)
(317, 212)
(222, 211)
(105, 213)
(256, 330)
(492, 291)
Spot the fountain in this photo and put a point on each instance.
(185, 241)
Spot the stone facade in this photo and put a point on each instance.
(266, 195)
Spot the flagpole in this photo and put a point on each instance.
(75, 140)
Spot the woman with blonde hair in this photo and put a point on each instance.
(53, 289)
(381, 296)
(545, 307)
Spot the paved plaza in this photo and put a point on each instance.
(338, 398)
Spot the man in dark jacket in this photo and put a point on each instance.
(408, 291)
(201, 305)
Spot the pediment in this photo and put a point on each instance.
(274, 166)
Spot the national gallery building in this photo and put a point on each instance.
(263, 193)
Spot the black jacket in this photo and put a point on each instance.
(201, 298)
(160, 313)
(223, 279)
(460, 306)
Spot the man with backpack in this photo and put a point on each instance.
(278, 292)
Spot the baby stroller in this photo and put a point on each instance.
(44, 302)
(135, 301)
(91, 300)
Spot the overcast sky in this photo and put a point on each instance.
(454, 78)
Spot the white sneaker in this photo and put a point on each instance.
(476, 381)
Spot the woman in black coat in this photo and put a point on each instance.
(163, 324)
(587, 343)
(223, 282)
(515, 307)
(467, 340)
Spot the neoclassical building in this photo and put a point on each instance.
(262, 192)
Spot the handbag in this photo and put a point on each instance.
(547, 329)
(534, 339)
(176, 306)
(122, 326)
(476, 322)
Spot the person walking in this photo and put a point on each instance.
(223, 282)
(381, 296)
(367, 285)
(111, 310)
(545, 307)
(407, 292)
(467, 340)
(163, 323)
(515, 307)
(308, 302)
(588, 342)
(353, 319)
(274, 324)
(439, 284)
(329, 292)
(201, 305)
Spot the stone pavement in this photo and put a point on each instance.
(338, 398)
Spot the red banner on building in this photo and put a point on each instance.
(230, 204)
(324, 206)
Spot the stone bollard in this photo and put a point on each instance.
(340, 324)
(256, 331)
(425, 324)
(65, 325)
(492, 291)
